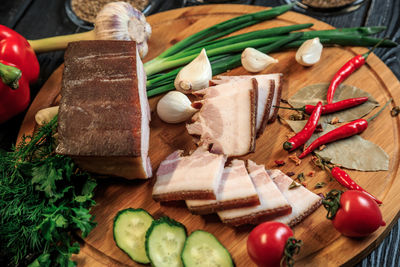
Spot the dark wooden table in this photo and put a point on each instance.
(43, 18)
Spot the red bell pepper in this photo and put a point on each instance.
(18, 68)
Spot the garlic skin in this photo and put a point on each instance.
(175, 107)
(256, 61)
(45, 115)
(309, 52)
(121, 21)
(195, 75)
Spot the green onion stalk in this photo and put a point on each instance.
(225, 28)
(231, 62)
(225, 53)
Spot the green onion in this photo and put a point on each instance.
(249, 36)
(174, 61)
(232, 44)
(225, 28)
(160, 80)
(273, 32)
(231, 62)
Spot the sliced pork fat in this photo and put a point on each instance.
(235, 190)
(104, 113)
(227, 118)
(276, 77)
(272, 202)
(192, 177)
(303, 201)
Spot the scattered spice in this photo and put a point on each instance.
(304, 184)
(322, 147)
(87, 9)
(301, 177)
(319, 128)
(293, 185)
(290, 174)
(334, 120)
(295, 159)
(319, 185)
(395, 111)
(311, 174)
(290, 135)
(297, 117)
(318, 162)
(279, 163)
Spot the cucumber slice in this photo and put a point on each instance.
(203, 249)
(164, 242)
(130, 226)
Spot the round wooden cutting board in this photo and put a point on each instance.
(322, 244)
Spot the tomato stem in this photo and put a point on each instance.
(332, 203)
(292, 248)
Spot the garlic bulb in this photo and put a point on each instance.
(255, 61)
(116, 21)
(309, 52)
(195, 75)
(45, 115)
(121, 21)
(175, 107)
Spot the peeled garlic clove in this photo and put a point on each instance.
(309, 52)
(175, 107)
(45, 115)
(194, 76)
(121, 21)
(255, 61)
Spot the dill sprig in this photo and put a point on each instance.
(44, 197)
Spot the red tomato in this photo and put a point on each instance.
(358, 215)
(266, 243)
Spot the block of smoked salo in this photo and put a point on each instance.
(104, 112)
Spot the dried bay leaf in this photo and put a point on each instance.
(352, 153)
(310, 95)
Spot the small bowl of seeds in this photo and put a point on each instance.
(83, 12)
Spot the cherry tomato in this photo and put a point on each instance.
(358, 215)
(266, 243)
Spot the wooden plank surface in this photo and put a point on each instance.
(322, 243)
(30, 14)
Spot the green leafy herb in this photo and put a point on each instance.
(300, 177)
(44, 197)
(319, 185)
(293, 185)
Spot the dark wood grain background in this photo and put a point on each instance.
(43, 18)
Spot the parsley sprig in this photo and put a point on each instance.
(44, 198)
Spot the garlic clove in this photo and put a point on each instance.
(255, 61)
(175, 107)
(309, 52)
(45, 115)
(195, 75)
(121, 21)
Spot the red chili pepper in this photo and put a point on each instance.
(347, 69)
(344, 131)
(344, 179)
(334, 107)
(301, 137)
(15, 53)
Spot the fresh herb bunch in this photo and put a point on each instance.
(44, 197)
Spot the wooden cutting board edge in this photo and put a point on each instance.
(48, 96)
